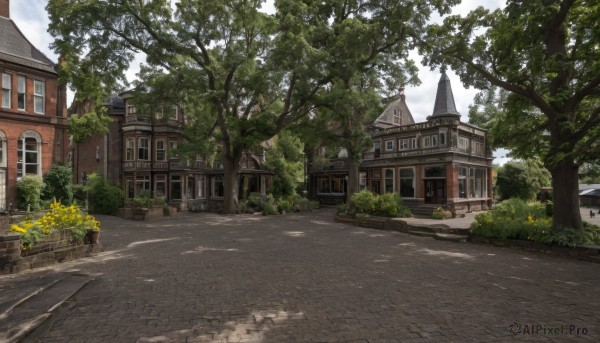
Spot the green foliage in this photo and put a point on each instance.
(441, 213)
(521, 179)
(29, 190)
(543, 55)
(386, 205)
(363, 201)
(104, 198)
(286, 161)
(342, 209)
(142, 201)
(284, 205)
(589, 173)
(57, 184)
(81, 127)
(517, 219)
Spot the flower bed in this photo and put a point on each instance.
(60, 227)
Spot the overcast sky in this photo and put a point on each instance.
(32, 19)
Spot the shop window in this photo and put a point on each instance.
(407, 182)
(389, 180)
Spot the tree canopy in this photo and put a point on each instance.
(545, 54)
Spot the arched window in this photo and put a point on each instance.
(29, 154)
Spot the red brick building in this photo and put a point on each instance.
(440, 162)
(32, 112)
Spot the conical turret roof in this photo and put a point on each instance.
(444, 99)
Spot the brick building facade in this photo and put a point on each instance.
(32, 113)
(440, 162)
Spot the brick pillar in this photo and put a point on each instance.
(10, 252)
(5, 9)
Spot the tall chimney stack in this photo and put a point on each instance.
(5, 8)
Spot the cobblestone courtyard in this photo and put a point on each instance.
(303, 278)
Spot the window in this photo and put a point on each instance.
(176, 189)
(442, 138)
(142, 185)
(200, 180)
(407, 182)
(218, 190)
(39, 96)
(430, 141)
(161, 154)
(397, 116)
(2, 150)
(6, 90)
(160, 185)
(131, 109)
(463, 143)
(477, 183)
(389, 180)
(337, 184)
(376, 146)
(143, 149)
(477, 147)
(403, 144)
(413, 143)
(362, 181)
(21, 91)
(172, 147)
(389, 145)
(28, 154)
(323, 184)
(174, 112)
(130, 148)
(462, 182)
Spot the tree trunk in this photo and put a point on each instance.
(230, 182)
(353, 177)
(565, 195)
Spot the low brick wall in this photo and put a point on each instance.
(12, 262)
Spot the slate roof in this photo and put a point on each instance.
(444, 99)
(15, 48)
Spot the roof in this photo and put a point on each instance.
(395, 114)
(444, 99)
(15, 48)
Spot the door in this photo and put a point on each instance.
(435, 191)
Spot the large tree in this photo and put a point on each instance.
(257, 75)
(545, 54)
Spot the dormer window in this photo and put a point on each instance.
(397, 116)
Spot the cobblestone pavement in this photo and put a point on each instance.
(303, 278)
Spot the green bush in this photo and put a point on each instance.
(441, 213)
(363, 202)
(104, 198)
(29, 190)
(57, 184)
(284, 205)
(387, 205)
(516, 219)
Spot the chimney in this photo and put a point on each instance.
(401, 93)
(5, 8)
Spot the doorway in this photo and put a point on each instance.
(435, 191)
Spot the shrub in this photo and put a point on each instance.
(515, 219)
(104, 198)
(284, 205)
(387, 205)
(363, 202)
(342, 209)
(57, 184)
(441, 213)
(29, 190)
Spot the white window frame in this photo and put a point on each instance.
(23, 151)
(6, 89)
(430, 141)
(142, 147)
(130, 144)
(403, 144)
(39, 96)
(163, 149)
(22, 91)
(463, 143)
(387, 145)
(413, 143)
(214, 186)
